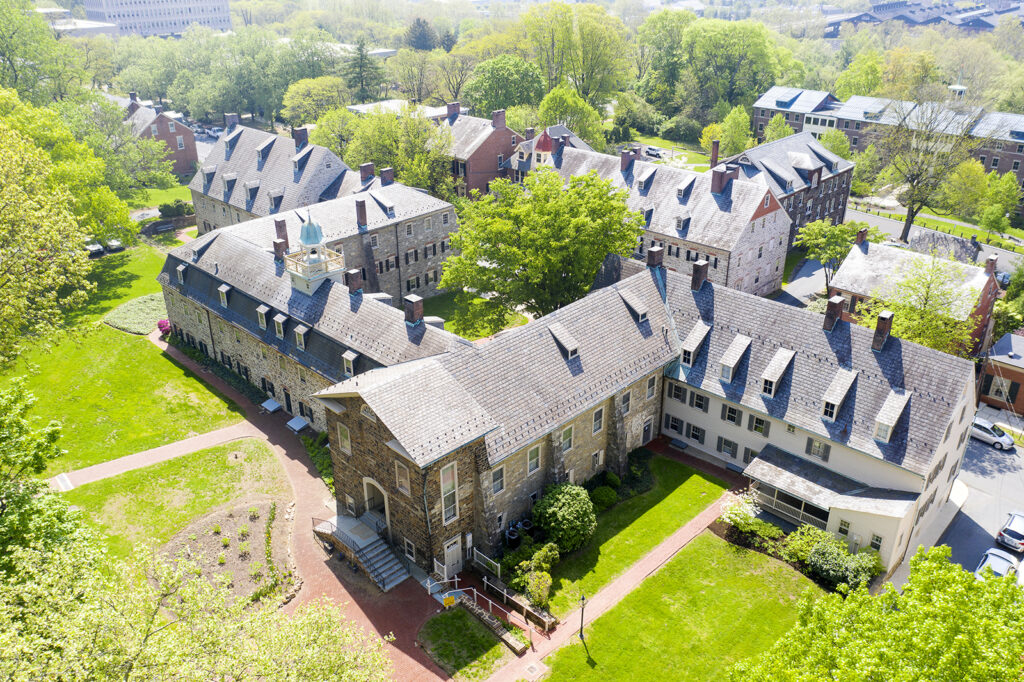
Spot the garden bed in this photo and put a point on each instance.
(139, 315)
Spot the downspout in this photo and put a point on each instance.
(426, 515)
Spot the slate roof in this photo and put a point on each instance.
(1008, 350)
(338, 321)
(143, 117)
(400, 107)
(1001, 126)
(934, 381)
(233, 173)
(554, 132)
(945, 245)
(524, 381)
(468, 133)
(876, 268)
(797, 100)
(784, 165)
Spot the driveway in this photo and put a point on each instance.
(803, 284)
(996, 483)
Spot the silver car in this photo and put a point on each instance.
(1012, 532)
(1002, 563)
(990, 433)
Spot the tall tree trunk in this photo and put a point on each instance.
(908, 223)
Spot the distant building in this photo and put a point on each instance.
(972, 17)
(168, 127)
(1004, 374)
(159, 17)
(63, 24)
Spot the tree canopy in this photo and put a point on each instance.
(308, 99)
(363, 74)
(777, 129)
(829, 244)
(503, 82)
(563, 105)
(536, 246)
(736, 132)
(836, 142)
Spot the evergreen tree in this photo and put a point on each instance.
(421, 35)
(447, 40)
(363, 74)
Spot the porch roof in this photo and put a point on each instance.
(823, 487)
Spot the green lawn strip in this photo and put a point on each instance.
(118, 394)
(192, 231)
(444, 306)
(154, 197)
(712, 605)
(120, 277)
(461, 645)
(632, 528)
(151, 504)
(795, 255)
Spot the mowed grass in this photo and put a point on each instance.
(461, 645)
(712, 605)
(444, 306)
(632, 528)
(151, 504)
(120, 277)
(154, 197)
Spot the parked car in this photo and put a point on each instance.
(114, 245)
(987, 432)
(1012, 532)
(215, 131)
(1002, 563)
(94, 249)
(1003, 278)
(654, 152)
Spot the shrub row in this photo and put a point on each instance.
(235, 380)
(320, 453)
(176, 208)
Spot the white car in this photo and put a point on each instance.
(1012, 533)
(1002, 563)
(990, 433)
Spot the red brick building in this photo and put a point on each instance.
(169, 127)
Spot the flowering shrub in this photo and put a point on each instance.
(164, 326)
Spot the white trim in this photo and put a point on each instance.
(455, 491)
(491, 483)
(399, 469)
(342, 438)
(528, 471)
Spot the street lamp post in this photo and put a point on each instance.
(583, 604)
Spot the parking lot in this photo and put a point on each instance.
(996, 483)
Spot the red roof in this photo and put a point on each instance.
(543, 143)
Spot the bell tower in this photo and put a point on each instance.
(312, 262)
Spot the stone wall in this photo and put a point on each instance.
(212, 213)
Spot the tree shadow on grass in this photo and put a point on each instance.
(112, 280)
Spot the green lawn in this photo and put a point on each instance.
(120, 277)
(795, 255)
(443, 305)
(155, 197)
(632, 528)
(150, 505)
(461, 645)
(712, 605)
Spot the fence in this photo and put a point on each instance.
(440, 569)
(487, 563)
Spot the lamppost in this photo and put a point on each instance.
(583, 604)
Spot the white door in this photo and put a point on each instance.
(453, 556)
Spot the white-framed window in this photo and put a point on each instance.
(882, 432)
(279, 329)
(694, 432)
(402, 478)
(533, 460)
(280, 362)
(598, 420)
(409, 548)
(374, 242)
(597, 459)
(686, 358)
(759, 425)
(300, 340)
(876, 542)
(652, 385)
(153, 130)
(624, 402)
(829, 410)
(567, 439)
(428, 224)
(445, 218)
(170, 126)
(348, 366)
(1000, 388)
(732, 415)
(449, 494)
(844, 527)
(817, 448)
(726, 373)
(344, 439)
(367, 412)
(768, 387)
(766, 200)
(350, 505)
(181, 141)
(497, 480)
(676, 392)
(408, 229)
(223, 298)
(261, 319)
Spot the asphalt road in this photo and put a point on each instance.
(996, 483)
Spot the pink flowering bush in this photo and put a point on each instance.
(164, 326)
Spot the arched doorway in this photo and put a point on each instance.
(376, 501)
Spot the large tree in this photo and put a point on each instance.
(504, 82)
(335, 130)
(32, 61)
(862, 77)
(308, 99)
(364, 74)
(536, 246)
(421, 35)
(963, 193)
(414, 72)
(736, 132)
(943, 625)
(563, 105)
(828, 244)
(777, 129)
(836, 142)
(663, 32)
(454, 70)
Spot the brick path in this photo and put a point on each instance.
(183, 236)
(530, 667)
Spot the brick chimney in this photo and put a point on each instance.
(626, 157)
(655, 257)
(354, 280)
(365, 171)
(301, 137)
(387, 175)
(231, 120)
(700, 275)
(882, 329)
(453, 109)
(714, 153)
(133, 97)
(556, 145)
(280, 248)
(361, 212)
(862, 235)
(833, 313)
(413, 309)
(720, 177)
(498, 119)
(281, 231)
(530, 132)
(990, 264)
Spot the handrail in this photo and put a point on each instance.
(352, 545)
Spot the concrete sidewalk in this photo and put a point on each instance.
(531, 666)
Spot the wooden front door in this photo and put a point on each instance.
(453, 556)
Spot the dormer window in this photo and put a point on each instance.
(367, 412)
(181, 273)
(733, 354)
(279, 321)
(882, 432)
(300, 336)
(829, 411)
(890, 414)
(565, 340)
(686, 358)
(726, 373)
(261, 316)
(768, 387)
(348, 359)
(522, 156)
(636, 306)
(223, 290)
(691, 346)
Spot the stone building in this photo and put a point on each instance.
(733, 222)
(836, 425)
(251, 173)
(168, 127)
(160, 17)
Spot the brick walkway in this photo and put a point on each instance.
(531, 667)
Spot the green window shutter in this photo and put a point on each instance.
(720, 444)
(750, 422)
(807, 449)
(824, 452)
(767, 427)
(724, 408)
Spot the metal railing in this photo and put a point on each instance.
(789, 510)
(353, 546)
(486, 562)
(330, 261)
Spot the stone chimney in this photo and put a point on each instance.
(387, 175)
(990, 264)
(882, 329)
(453, 109)
(281, 231)
(862, 235)
(413, 309)
(361, 212)
(280, 248)
(530, 133)
(498, 118)
(354, 280)
(231, 120)
(700, 275)
(365, 171)
(714, 153)
(133, 97)
(720, 177)
(833, 313)
(556, 145)
(301, 137)
(655, 257)
(626, 157)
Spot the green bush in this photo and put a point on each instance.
(611, 480)
(320, 454)
(176, 208)
(603, 497)
(800, 543)
(831, 562)
(638, 474)
(532, 557)
(511, 560)
(538, 588)
(680, 129)
(139, 315)
(235, 380)
(566, 515)
(545, 557)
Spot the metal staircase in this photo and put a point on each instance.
(372, 554)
